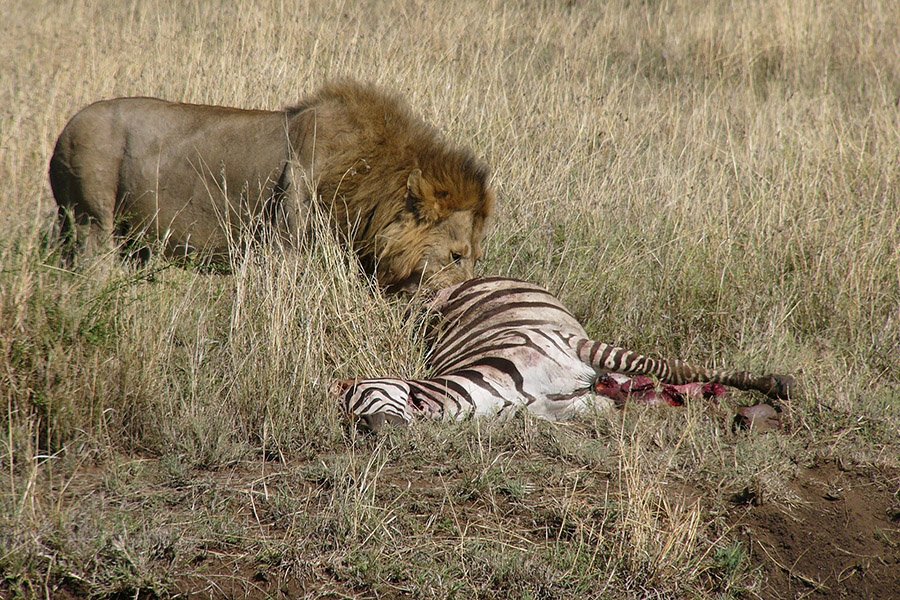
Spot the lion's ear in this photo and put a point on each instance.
(340, 386)
(420, 198)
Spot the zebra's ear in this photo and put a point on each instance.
(422, 200)
(340, 386)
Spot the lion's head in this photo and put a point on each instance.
(437, 239)
(412, 205)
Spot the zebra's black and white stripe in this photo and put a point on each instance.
(500, 344)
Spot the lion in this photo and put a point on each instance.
(413, 207)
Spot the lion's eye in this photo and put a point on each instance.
(456, 257)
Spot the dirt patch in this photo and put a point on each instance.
(841, 541)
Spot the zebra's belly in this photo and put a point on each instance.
(539, 372)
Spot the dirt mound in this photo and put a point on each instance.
(842, 541)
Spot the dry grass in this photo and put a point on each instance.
(717, 181)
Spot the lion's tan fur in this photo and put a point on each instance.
(412, 206)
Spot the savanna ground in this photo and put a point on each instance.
(717, 181)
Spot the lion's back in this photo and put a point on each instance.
(353, 120)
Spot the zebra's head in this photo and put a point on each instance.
(371, 403)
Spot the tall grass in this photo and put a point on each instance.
(716, 181)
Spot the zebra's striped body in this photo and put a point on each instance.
(500, 344)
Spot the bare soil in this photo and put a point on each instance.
(839, 539)
(842, 540)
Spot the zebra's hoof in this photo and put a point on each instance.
(375, 422)
(780, 387)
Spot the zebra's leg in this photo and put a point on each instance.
(372, 403)
(606, 358)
